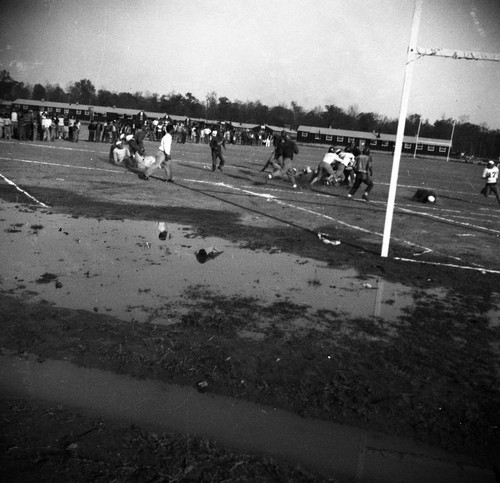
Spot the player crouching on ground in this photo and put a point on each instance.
(325, 167)
(121, 154)
(490, 174)
(113, 146)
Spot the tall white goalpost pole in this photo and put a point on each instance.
(451, 141)
(411, 56)
(418, 134)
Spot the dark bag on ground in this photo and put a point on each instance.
(425, 196)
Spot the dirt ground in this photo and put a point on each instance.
(431, 375)
(50, 443)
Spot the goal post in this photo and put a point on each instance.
(413, 54)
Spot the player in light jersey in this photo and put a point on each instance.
(346, 162)
(325, 167)
(163, 157)
(490, 174)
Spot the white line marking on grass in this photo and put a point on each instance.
(474, 217)
(225, 185)
(435, 208)
(449, 220)
(312, 212)
(478, 268)
(441, 190)
(442, 218)
(63, 165)
(424, 249)
(52, 146)
(8, 181)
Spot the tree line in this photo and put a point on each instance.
(468, 138)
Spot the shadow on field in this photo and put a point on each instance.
(246, 176)
(190, 166)
(286, 222)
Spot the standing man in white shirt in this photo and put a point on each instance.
(14, 123)
(163, 157)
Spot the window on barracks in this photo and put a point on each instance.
(304, 134)
(317, 136)
(420, 147)
(78, 112)
(385, 144)
(430, 149)
(407, 146)
(340, 139)
(58, 110)
(349, 140)
(373, 142)
(329, 138)
(442, 149)
(87, 113)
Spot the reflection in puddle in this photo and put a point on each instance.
(203, 255)
(162, 228)
(140, 270)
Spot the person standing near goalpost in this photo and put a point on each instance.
(490, 174)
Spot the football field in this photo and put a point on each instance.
(460, 229)
(292, 305)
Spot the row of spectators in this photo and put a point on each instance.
(38, 126)
(43, 126)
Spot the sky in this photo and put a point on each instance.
(350, 53)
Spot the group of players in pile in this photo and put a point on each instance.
(346, 166)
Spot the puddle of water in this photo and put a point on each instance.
(348, 452)
(134, 271)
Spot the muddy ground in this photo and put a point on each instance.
(431, 375)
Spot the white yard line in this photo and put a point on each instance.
(272, 198)
(479, 269)
(8, 181)
(56, 146)
(63, 165)
(306, 210)
(449, 220)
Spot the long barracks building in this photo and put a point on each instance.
(375, 141)
(86, 112)
(304, 134)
